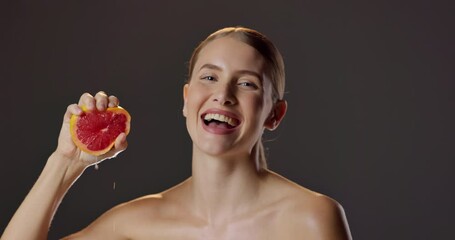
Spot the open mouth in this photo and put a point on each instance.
(220, 121)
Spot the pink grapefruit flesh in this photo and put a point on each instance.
(95, 131)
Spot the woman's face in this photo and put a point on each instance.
(228, 98)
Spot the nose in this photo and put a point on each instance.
(225, 95)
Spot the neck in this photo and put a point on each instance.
(224, 187)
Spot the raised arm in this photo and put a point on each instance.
(62, 169)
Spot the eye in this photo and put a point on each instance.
(248, 85)
(208, 78)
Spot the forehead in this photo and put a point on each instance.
(231, 54)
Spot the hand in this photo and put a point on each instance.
(66, 147)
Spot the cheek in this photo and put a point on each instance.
(267, 100)
(258, 104)
(195, 98)
(254, 106)
(261, 108)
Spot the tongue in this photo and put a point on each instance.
(216, 124)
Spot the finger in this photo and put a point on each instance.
(120, 145)
(72, 109)
(87, 101)
(113, 101)
(101, 101)
(120, 142)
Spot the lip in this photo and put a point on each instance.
(220, 131)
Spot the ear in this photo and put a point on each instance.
(185, 95)
(276, 115)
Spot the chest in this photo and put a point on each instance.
(250, 228)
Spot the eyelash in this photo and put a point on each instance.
(248, 84)
(245, 84)
(207, 78)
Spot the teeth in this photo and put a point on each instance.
(220, 117)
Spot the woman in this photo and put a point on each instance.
(234, 91)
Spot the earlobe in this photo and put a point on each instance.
(185, 94)
(276, 115)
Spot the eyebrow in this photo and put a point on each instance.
(210, 66)
(247, 72)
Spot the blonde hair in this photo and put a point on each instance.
(274, 68)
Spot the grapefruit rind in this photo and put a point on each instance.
(82, 146)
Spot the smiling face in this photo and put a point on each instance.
(228, 98)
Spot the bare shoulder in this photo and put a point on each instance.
(309, 213)
(117, 223)
(142, 218)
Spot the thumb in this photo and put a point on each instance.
(120, 142)
(119, 146)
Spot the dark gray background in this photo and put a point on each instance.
(369, 86)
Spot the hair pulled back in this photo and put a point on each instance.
(274, 68)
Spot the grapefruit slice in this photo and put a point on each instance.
(94, 132)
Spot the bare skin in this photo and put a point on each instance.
(284, 210)
(226, 197)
